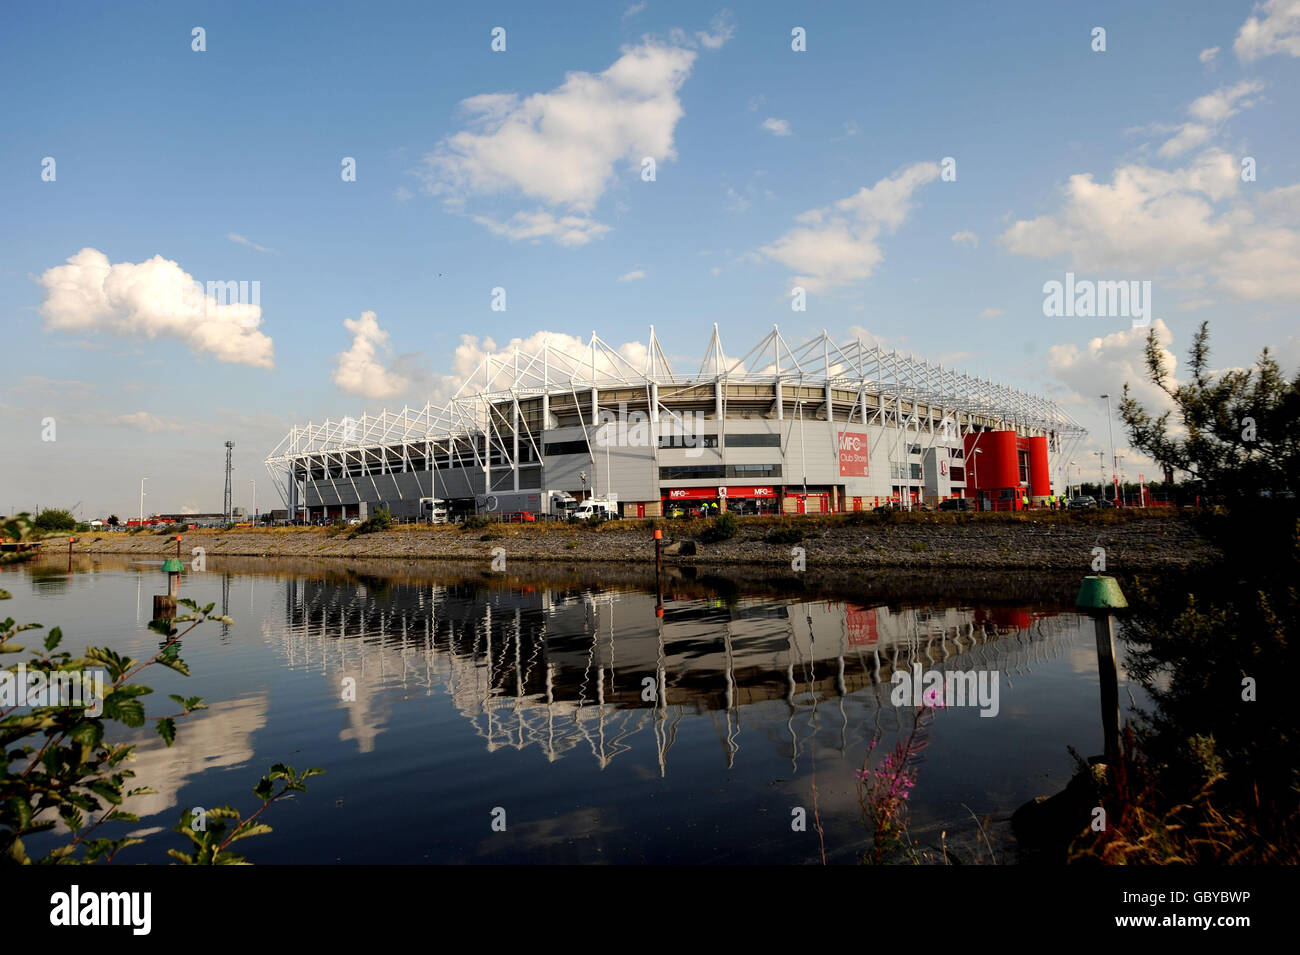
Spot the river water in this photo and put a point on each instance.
(567, 709)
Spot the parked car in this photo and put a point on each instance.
(519, 517)
(1081, 501)
(957, 504)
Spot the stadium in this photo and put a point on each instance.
(819, 427)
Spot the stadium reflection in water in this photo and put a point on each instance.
(435, 695)
(586, 671)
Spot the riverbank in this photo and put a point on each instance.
(1132, 540)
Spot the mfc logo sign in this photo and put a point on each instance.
(679, 492)
(854, 454)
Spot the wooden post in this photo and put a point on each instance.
(1108, 677)
(1100, 595)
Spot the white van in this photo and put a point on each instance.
(607, 510)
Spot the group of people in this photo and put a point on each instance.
(1054, 502)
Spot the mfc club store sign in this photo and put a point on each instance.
(854, 457)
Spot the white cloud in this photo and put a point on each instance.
(1265, 266)
(472, 351)
(735, 201)
(145, 421)
(244, 240)
(1187, 223)
(1144, 218)
(540, 224)
(632, 10)
(723, 29)
(402, 194)
(868, 338)
(1208, 54)
(839, 244)
(990, 313)
(150, 300)
(1109, 362)
(1189, 136)
(632, 276)
(1224, 102)
(1209, 111)
(1276, 31)
(562, 147)
(777, 127)
(358, 370)
(966, 238)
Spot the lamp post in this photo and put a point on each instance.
(142, 480)
(1101, 465)
(1074, 466)
(254, 483)
(1111, 431)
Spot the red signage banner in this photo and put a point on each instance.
(692, 493)
(734, 491)
(710, 493)
(854, 457)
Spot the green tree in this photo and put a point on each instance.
(1233, 432)
(55, 519)
(57, 763)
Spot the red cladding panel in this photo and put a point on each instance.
(1040, 478)
(991, 460)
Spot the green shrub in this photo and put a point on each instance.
(60, 765)
(55, 519)
(786, 535)
(724, 527)
(475, 522)
(381, 520)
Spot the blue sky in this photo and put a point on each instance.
(774, 168)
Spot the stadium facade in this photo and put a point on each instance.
(817, 427)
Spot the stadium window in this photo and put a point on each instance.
(566, 447)
(753, 441)
(687, 471)
(688, 441)
(718, 472)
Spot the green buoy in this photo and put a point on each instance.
(1101, 593)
